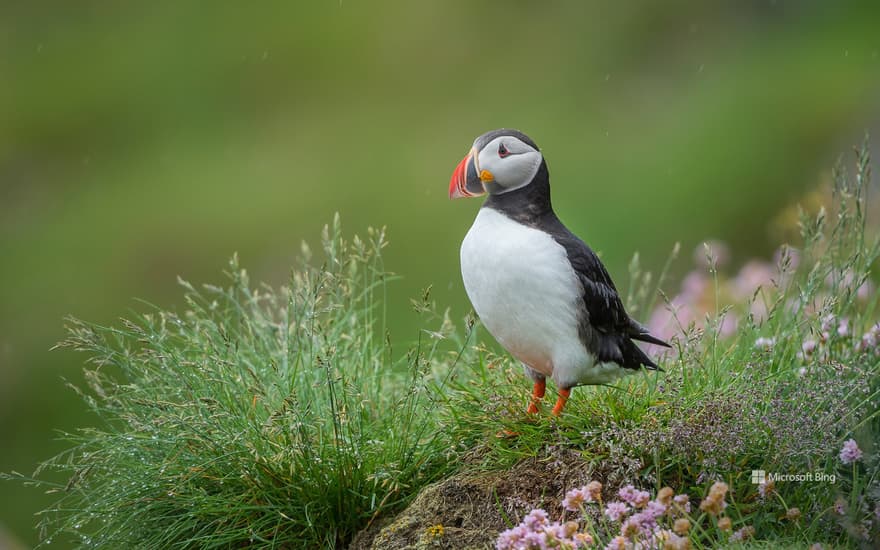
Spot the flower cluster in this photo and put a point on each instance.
(850, 452)
(870, 342)
(697, 295)
(714, 503)
(751, 286)
(537, 532)
(633, 520)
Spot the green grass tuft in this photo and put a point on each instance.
(257, 417)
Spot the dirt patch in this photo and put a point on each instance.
(469, 509)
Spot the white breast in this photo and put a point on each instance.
(527, 295)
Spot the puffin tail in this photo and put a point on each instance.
(634, 357)
(638, 332)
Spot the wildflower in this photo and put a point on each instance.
(617, 543)
(630, 528)
(850, 452)
(535, 519)
(694, 285)
(535, 539)
(714, 503)
(616, 510)
(674, 542)
(575, 498)
(815, 546)
(865, 291)
(724, 524)
(793, 514)
(664, 496)
(745, 533)
(511, 538)
(563, 531)
(827, 322)
(808, 347)
(435, 531)
(682, 503)
(767, 488)
(843, 328)
(594, 489)
(765, 344)
(634, 497)
(582, 539)
(871, 339)
(682, 526)
(751, 277)
(646, 520)
(840, 506)
(728, 325)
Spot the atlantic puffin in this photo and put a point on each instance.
(539, 290)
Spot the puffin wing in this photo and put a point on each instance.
(605, 328)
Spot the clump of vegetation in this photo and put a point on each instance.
(779, 391)
(283, 418)
(256, 417)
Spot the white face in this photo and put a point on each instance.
(507, 162)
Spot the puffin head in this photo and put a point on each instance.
(499, 161)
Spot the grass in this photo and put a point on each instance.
(257, 417)
(283, 417)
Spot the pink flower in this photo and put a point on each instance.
(694, 285)
(683, 502)
(751, 277)
(535, 519)
(728, 325)
(850, 452)
(575, 498)
(828, 321)
(865, 291)
(765, 344)
(616, 510)
(633, 496)
(509, 539)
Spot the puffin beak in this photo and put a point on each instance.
(465, 182)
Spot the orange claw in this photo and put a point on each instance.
(564, 393)
(537, 395)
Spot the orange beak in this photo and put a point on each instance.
(465, 182)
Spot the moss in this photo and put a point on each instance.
(474, 505)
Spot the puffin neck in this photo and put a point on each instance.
(529, 203)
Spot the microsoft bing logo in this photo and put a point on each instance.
(759, 477)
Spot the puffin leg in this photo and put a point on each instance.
(537, 394)
(564, 393)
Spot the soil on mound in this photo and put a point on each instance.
(470, 509)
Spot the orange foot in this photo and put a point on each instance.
(564, 393)
(537, 394)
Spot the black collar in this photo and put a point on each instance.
(530, 203)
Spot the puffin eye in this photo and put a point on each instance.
(502, 151)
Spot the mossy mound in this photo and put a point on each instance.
(469, 509)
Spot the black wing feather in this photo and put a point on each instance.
(605, 328)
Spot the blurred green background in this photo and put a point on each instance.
(139, 141)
